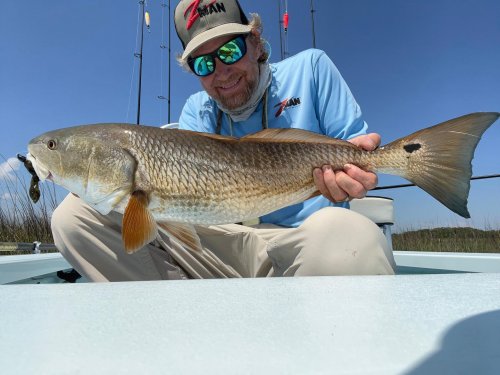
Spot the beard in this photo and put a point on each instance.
(239, 99)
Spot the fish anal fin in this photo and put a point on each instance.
(138, 225)
(184, 234)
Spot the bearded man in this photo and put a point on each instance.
(243, 94)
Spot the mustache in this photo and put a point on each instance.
(232, 78)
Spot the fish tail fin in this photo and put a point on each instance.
(438, 159)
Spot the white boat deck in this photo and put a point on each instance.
(411, 324)
(14, 268)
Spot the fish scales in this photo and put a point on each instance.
(241, 179)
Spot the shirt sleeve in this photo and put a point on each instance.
(338, 112)
(199, 114)
(189, 119)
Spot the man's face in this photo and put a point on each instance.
(231, 85)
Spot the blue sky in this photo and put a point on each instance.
(410, 64)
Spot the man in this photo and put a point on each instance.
(243, 94)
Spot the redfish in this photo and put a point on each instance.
(178, 178)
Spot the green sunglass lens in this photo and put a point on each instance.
(203, 65)
(232, 51)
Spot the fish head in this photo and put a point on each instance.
(89, 161)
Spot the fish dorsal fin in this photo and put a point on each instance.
(184, 234)
(138, 225)
(218, 137)
(289, 135)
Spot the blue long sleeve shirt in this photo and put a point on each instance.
(306, 92)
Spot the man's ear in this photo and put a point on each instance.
(254, 38)
(259, 51)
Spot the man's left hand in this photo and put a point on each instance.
(351, 182)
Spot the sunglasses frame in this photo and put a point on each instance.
(215, 54)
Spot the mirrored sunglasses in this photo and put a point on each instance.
(229, 53)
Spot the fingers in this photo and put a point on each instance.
(326, 182)
(351, 182)
(367, 180)
(367, 142)
(339, 186)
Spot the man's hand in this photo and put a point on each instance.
(351, 182)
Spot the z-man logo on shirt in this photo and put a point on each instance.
(292, 102)
(198, 11)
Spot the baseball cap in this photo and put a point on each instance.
(198, 21)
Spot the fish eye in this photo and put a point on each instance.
(51, 144)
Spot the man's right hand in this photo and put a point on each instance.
(352, 181)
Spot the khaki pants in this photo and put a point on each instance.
(332, 241)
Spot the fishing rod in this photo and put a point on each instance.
(408, 185)
(163, 46)
(279, 25)
(144, 18)
(312, 23)
(139, 56)
(286, 53)
(169, 62)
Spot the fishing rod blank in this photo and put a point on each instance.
(408, 185)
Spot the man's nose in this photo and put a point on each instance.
(222, 70)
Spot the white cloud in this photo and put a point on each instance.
(8, 168)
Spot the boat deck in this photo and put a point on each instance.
(413, 324)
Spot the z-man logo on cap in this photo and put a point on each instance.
(292, 102)
(198, 11)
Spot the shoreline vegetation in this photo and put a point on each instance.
(453, 239)
(23, 221)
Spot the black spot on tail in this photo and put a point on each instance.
(412, 147)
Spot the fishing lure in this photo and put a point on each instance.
(34, 190)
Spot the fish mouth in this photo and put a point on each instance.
(42, 172)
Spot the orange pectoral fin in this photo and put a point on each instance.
(138, 225)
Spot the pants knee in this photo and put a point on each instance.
(59, 218)
(337, 241)
(67, 215)
(74, 220)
